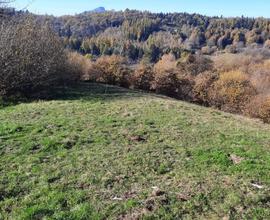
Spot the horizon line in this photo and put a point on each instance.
(139, 10)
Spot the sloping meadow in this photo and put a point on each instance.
(103, 152)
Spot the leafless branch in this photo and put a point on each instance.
(31, 55)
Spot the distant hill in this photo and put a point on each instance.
(191, 32)
(99, 10)
(96, 10)
(170, 32)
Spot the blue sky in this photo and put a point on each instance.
(251, 8)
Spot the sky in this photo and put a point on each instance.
(227, 8)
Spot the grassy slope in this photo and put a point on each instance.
(96, 153)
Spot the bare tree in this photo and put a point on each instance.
(31, 56)
(3, 4)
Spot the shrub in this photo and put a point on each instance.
(257, 53)
(188, 67)
(267, 44)
(165, 76)
(260, 76)
(194, 64)
(207, 50)
(171, 80)
(230, 62)
(259, 107)
(185, 87)
(80, 67)
(112, 70)
(203, 84)
(143, 77)
(232, 91)
(31, 57)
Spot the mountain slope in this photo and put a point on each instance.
(99, 10)
(96, 10)
(99, 152)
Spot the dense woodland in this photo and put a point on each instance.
(136, 34)
(212, 61)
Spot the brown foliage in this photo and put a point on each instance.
(232, 91)
(259, 107)
(229, 62)
(80, 67)
(143, 77)
(165, 76)
(194, 64)
(185, 89)
(203, 84)
(112, 70)
(260, 76)
(171, 80)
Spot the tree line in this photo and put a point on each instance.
(135, 34)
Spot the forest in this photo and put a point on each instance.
(138, 35)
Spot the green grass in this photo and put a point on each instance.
(97, 152)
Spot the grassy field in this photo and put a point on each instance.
(98, 152)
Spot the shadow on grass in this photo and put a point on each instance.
(82, 91)
(90, 91)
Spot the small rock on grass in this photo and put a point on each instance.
(257, 186)
(157, 192)
(236, 159)
(117, 198)
(138, 138)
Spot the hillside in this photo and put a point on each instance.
(98, 152)
(141, 35)
(136, 34)
(96, 10)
